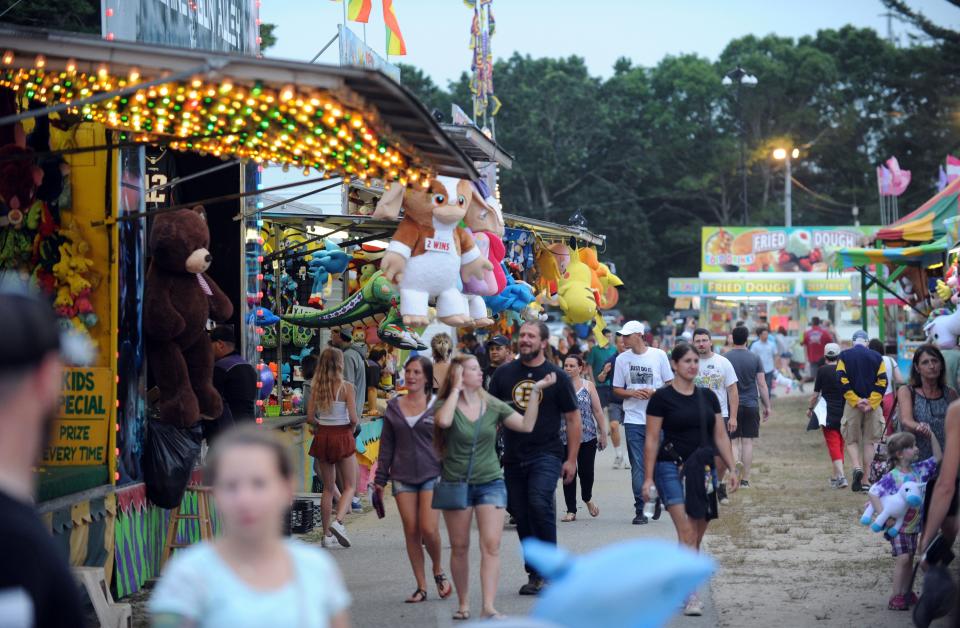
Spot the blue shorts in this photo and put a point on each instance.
(489, 493)
(403, 487)
(605, 393)
(669, 483)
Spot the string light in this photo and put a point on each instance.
(293, 126)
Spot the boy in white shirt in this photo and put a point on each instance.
(718, 374)
(639, 372)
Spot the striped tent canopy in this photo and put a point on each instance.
(925, 224)
(922, 254)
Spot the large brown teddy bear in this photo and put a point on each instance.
(179, 299)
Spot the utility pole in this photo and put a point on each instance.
(741, 78)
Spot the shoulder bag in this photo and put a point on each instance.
(454, 494)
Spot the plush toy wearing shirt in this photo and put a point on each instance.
(429, 249)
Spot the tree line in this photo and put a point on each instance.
(651, 154)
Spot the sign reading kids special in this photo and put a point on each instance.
(83, 417)
(775, 249)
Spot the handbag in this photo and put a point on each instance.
(879, 465)
(454, 494)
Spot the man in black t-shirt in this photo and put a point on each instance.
(36, 587)
(827, 385)
(532, 463)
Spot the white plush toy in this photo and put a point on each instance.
(429, 249)
(895, 506)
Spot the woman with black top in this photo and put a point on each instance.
(683, 467)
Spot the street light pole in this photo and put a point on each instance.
(788, 195)
(787, 156)
(741, 78)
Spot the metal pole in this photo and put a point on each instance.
(863, 299)
(743, 161)
(788, 195)
(881, 313)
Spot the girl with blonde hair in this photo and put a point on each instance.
(331, 409)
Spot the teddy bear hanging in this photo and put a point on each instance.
(179, 298)
(429, 249)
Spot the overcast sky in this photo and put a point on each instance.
(437, 31)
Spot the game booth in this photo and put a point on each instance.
(127, 142)
(108, 148)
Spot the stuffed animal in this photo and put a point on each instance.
(577, 299)
(429, 251)
(178, 299)
(943, 328)
(895, 506)
(485, 223)
(326, 262)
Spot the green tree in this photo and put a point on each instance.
(268, 38)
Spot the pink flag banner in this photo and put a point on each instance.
(884, 181)
(899, 179)
(953, 168)
(941, 179)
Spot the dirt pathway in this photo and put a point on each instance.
(791, 547)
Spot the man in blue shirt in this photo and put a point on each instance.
(766, 349)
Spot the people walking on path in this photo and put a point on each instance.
(639, 372)
(717, 374)
(924, 401)
(615, 407)
(863, 378)
(250, 575)
(466, 420)
(36, 586)
(827, 385)
(683, 469)
(533, 462)
(409, 459)
(905, 466)
(765, 348)
(753, 401)
(498, 353)
(331, 408)
(815, 340)
(593, 438)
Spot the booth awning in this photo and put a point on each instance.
(552, 230)
(925, 223)
(920, 255)
(339, 120)
(476, 145)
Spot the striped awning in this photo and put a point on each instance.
(926, 223)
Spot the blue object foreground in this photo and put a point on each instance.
(650, 581)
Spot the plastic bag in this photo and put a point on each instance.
(169, 456)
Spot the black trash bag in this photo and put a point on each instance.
(169, 456)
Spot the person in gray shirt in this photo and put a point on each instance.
(752, 386)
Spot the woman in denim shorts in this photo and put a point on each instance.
(693, 432)
(467, 418)
(408, 457)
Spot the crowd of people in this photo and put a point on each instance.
(480, 433)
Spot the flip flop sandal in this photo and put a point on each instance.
(593, 508)
(461, 615)
(443, 585)
(567, 518)
(418, 596)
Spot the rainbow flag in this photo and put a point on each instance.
(395, 43)
(358, 10)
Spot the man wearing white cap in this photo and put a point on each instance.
(639, 372)
(863, 378)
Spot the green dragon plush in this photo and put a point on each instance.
(374, 304)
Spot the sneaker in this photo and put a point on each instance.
(533, 586)
(842, 482)
(640, 520)
(897, 603)
(857, 485)
(693, 607)
(722, 493)
(356, 505)
(338, 530)
(617, 461)
(657, 510)
(328, 541)
(744, 483)
(626, 463)
(834, 482)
